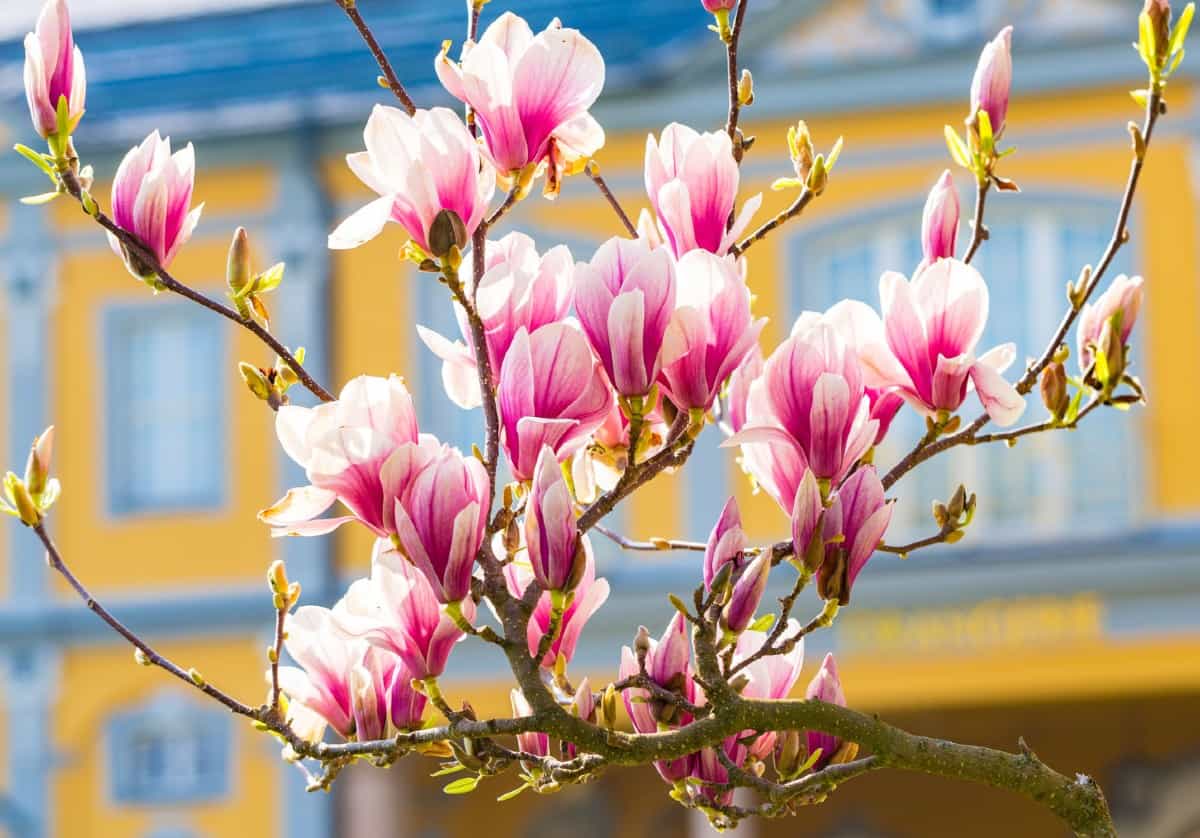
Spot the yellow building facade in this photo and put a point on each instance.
(1070, 614)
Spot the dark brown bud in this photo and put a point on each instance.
(447, 231)
(1054, 391)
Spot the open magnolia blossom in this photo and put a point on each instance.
(595, 378)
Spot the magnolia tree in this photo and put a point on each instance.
(595, 377)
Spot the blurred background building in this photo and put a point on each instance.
(1069, 616)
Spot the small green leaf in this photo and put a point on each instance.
(447, 771)
(987, 139)
(509, 795)
(1174, 65)
(1139, 96)
(786, 183)
(1146, 40)
(834, 154)
(38, 200)
(463, 785)
(958, 148)
(1073, 408)
(269, 279)
(763, 623)
(62, 115)
(1102, 371)
(33, 157)
(1180, 32)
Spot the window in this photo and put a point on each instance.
(169, 751)
(165, 414)
(1087, 477)
(949, 21)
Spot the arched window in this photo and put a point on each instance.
(1088, 478)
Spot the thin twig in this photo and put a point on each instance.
(979, 230)
(731, 60)
(904, 549)
(803, 200)
(385, 66)
(656, 545)
(276, 652)
(593, 171)
(510, 201)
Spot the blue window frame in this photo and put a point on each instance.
(169, 751)
(165, 411)
(1088, 477)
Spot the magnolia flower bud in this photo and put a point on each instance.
(1054, 391)
(20, 500)
(641, 646)
(1159, 14)
(715, 6)
(747, 594)
(447, 231)
(37, 467)
(237, 266)
(800, 145)
(939, 223)
(790, 753)
(992, 84)
(745, 88)
(54, 72)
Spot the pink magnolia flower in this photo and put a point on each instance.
(692, 180)
(809, 522)
(725, 543)
(825, 686)
(707, 767)
(668, 664)
(1123, 297)
(552, 392)
(932, 326)
(771, 677)
(861, 514)
(859, 326)
(809, 410)
(519, 289)
(739, 387)
(359, 690)
(535, 743)
(599, 465)
(583, 706)
(53, 69)
(396, 609)
(440, 518)
(590, 594)
(530, 93)
(419, 166)
(715, 6)
(361, 449)
(152, 198)
(625, 297)
(992, 83)
(939, 221)
(551, 533)
(711, 333)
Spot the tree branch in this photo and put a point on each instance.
(593, 172)
(385, 66)
(654, 545)
(731, 53)
(147, 257)
(797, 207)
(979, 231)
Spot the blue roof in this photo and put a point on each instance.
(310, 59)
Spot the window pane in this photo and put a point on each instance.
(165, 408)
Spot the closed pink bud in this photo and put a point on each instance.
(711, 332)
(152, 199)
(860, 514)
(406, 705)
(725, 543)
(747, 594)
(1123, 297)
(420, 166)
(440, 520)
(519, 289)
(807, 512)
(939, 222)
(53, 70)
(530, 93)
(362, 450)
(397, 610)
(625, 298)
(932, 326)
(825, 686)
(326, 658)
(37, 466)
(537, 744)
(715, 6)
(551, 534)
(552, 392)
(590, 594)
(991, 86)
(692, 181)
(808, 411)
